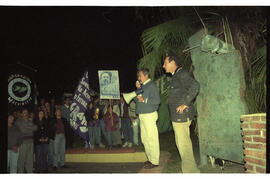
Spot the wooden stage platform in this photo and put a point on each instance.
(102, 155)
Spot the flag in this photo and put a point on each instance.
(78, 108)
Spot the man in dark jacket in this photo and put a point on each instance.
(183, 92)
(14, 142)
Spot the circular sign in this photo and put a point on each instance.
(19, 89)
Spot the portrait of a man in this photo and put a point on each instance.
(109, 84)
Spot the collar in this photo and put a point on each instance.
(66, 106)
(146, 81)
(177, 69)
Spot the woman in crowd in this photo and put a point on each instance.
(111, 120)
(48, 109)
(52, 104)
(115, 108)
(14, 143)
(91, 122)
(41, 142)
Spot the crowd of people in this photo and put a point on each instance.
(113, 120)
(38, 138)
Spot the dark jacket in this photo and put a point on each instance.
(52, 127)
(184, 90)
(14, 137)
(89, 117)
(41, 132)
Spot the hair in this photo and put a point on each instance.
(145, 71)
(23, 109)
(174, 57)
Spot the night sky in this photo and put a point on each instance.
(61, 42)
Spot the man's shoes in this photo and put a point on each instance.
(147, 162)
(64, 166)
(125, 144)
(150, 166)
(129, 145)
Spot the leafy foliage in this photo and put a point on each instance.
(170, 36)
(256, 82)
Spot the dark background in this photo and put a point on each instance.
(62, 42)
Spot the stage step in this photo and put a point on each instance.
(101, 155)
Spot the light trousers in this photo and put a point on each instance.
(12, 160)
(26, 156)
(149, 136)
(135, 127)
(184, 145)
(59, 149)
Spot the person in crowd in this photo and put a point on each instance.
(52, 104)
(183, 92)
(101, 125)
(56, 106)
(58, 129)
(115, 107)
(111, 119)
(135, 122)
(32, 115)
(91, 123)
(51, 135)
(25, 161)
(41, 142)
(14, 142)
(17, 114)
(46, 113)
(146, 106)
(48, 109)
(42, 102)
(65, 113)
(126, 124)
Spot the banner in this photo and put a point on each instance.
(109, 84)
(78, 108)
(21, 87)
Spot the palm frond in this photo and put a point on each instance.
(256, 83)
(178, 29)
(170, 36)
